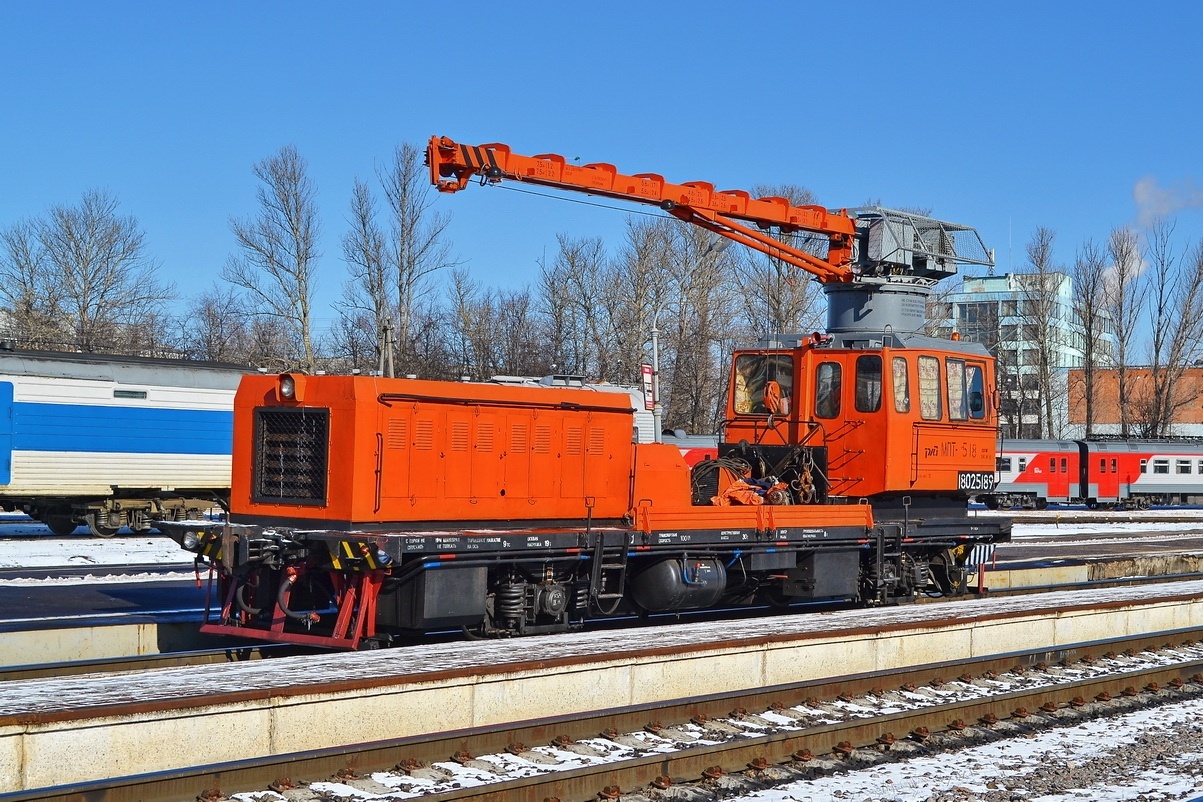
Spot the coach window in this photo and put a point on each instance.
(827, 390)
(929, 388)
(1023, 464)
(1004, 464)
(1116, 470)
(1064, 466)
(902, 385)
(1144, 466)
(1201, 466)
(1183, 466)
(1161, 466)
(1052, 464)
(868, 383)
(1102, 464)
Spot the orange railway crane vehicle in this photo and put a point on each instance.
(365, 509)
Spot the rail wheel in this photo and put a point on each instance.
(948, 575)
(61, 525)
(99, 526)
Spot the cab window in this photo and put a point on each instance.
(929, 388)
(828, 380)
(975, 390)
(966, 391)
(902, 387)
(868, 383)
(957, 409)
(764, 384)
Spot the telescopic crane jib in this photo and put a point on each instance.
(880, 263)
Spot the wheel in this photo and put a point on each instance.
(61, 525)
(948, 575)
(98, 529)
(1042, 504)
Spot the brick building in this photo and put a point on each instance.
(1188, 400)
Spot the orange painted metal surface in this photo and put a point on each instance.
(916, 435)
(454, 165)
(405, 450)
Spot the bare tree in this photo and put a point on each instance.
(776, 298)
(1040, 309)
(429, 336)
(216, 327)
(518, 345)
(697, 345)
(278, 252)
(637, 293)
(273, 345)
(352, 344)
(473, 323)
(32, 295)
(1089, 275)
(101, 274)
(1175, 316)
(417, 245)
(571, 291)
(1125, 300)
(367, 296)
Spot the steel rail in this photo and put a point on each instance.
(239, 653)
(251, 649)
(775, 749)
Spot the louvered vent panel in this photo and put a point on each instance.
(574, 440)
(459, 436)
(542, 440)
(398, 434)
(424, 435)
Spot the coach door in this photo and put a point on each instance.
(6, 433)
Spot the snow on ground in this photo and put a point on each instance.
(34, 547)
(1023, 531)
(1152, 755)
(1062, 765)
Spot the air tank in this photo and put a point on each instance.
(680, 584)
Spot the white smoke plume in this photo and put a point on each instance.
(1153, 201)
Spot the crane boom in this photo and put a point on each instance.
(880, 263)
(453, 165)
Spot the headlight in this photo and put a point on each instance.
(190, 541)
(288, 387)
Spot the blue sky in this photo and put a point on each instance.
(1004, 116)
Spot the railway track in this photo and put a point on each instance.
(255, 650)
(794, 732)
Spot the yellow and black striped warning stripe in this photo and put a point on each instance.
(210, 546)
(353, 555)
(478, 158)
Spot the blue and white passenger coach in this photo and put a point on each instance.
(112, 441)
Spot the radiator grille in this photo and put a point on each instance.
(290, 455)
